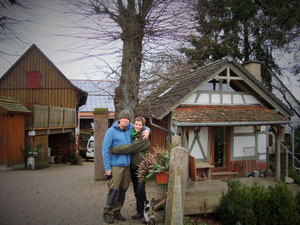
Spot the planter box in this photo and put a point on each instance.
(162, 178)
(30, 163)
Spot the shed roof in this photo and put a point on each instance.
(11, 105)
(169, 95)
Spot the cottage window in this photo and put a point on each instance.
(33, 79)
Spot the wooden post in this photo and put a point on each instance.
(177, 206)
(278, 155)
(100, 128)
(176, 140)
(178, 162)
(286, 163)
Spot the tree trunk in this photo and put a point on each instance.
(126, 94)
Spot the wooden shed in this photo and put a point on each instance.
(54, 101)
(12, 132)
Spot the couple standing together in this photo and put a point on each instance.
(124, 146)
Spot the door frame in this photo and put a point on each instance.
(228, 148)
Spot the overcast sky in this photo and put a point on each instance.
(47, 28)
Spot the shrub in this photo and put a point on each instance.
(298, 202)
(258, 205)
(236, 205)
(73, 157)
(295, 175)
(282, 205)
(260, 200)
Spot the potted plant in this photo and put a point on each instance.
(31, 154)
(157, 164)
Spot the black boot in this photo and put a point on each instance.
(119, 217)
(137, 216)
(107, 218)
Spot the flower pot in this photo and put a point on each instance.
(162, 178)
(30, 163)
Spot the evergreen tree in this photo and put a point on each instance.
(245, 29)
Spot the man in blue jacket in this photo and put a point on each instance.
(117, 167)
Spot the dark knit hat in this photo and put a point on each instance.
(124, 114)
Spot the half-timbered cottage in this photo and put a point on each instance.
(53, 100)
(224, 115)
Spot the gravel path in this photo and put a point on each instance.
(60, 195)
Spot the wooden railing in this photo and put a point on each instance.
(47, 117)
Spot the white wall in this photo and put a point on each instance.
(194, 147)
(220, 97)
(245, 136)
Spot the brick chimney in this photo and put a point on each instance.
(254, 67)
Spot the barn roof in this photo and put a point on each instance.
(11, 105)
(82, 95)
(100, 94)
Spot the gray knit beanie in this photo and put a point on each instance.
(124, 114)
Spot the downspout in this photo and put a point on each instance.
(160, 127)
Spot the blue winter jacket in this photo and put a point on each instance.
(115, 136)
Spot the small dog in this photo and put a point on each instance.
(149, 212)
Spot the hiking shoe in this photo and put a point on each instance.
(119, 217)
(107, 218)
(137, 216)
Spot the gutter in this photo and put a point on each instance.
(160, 127)
(230, 124)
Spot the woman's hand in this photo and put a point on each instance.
(145, 134)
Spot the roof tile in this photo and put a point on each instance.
(221, 113)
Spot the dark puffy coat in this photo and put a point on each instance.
(138, 149)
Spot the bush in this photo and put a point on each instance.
(282, 205)
(236, 205)
(73, 158)
(298, 202)
(260, 201)
(295, 175)
(258, 205)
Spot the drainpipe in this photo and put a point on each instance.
(160, 127)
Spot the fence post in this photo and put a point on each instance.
(100, 127)
(178, 175)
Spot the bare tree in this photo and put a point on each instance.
(14, 14)
(136, 29)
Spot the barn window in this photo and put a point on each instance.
(33, 79)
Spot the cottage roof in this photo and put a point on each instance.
(11, 105)
(216, 114)
(169, 95)
(100, 94)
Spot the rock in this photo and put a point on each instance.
(288, 180)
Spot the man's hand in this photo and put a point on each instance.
(108, 172)
(145, 134)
